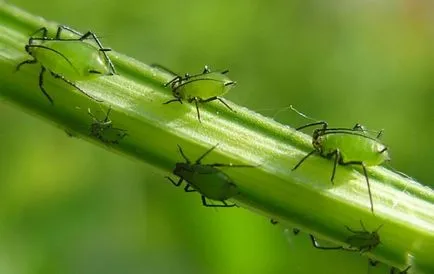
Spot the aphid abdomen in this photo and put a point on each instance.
(75, 60)
(212, 183)
(354, 148)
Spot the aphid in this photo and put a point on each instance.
(348, 146)
(362, 240)
(104, 130)
(207, 179)
(200, 88)
(68, 59)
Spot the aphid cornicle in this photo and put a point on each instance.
(207, 179)
(348, 146)
(104, 130)
(68, 59)
(200, 88)
(362, 240)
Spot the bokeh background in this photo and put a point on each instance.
(67, 206)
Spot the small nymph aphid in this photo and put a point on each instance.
(200, 88)
(348, 146)
(362, 240)
(207, 179)
(104, 130)
(68, 59)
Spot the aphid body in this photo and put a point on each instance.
(68, 59)
(348, 147)
(75, 60)
(207, 179)
(200, 88)
(362, 240)
(104, 130)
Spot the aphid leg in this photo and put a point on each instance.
(197, 109)
(61, 28)
(206, 70)
(383, 150)
(380, 134)
(42, 31)
(188, 188)
(58, 76)
(211, 205)
(228, 205)
(337, 156)
(366, 177)
(274, 222)
(358, 127)
(173, 182)
(205, 154)
(215, 98)
(316, 245)
(41, 85)
(304, 158)
(33, 61)
(102, 49)
(295, 231)
(225, 71)
(183, 155)
(174, 80)
(106, 119)
(173, 100)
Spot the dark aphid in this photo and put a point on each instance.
(104, 130)
(200, 88)
(68, 59)
(362, 240)
(207, 179)
(348, 146)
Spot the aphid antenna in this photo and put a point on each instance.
(27, 47)
(183, 155)
(163, 68)
(206, 153)
(302, 114)
(378, 228)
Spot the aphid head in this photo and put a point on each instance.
(317, 140)
(181, 169)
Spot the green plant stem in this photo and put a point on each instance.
(304, 198)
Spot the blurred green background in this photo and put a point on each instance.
(67, 206)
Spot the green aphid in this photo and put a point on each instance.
(104, 130)
(200, 88)
(348, 146)
(68, 59)
(362, 240)
(207, 179)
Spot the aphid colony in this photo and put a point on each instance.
(76, 59)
